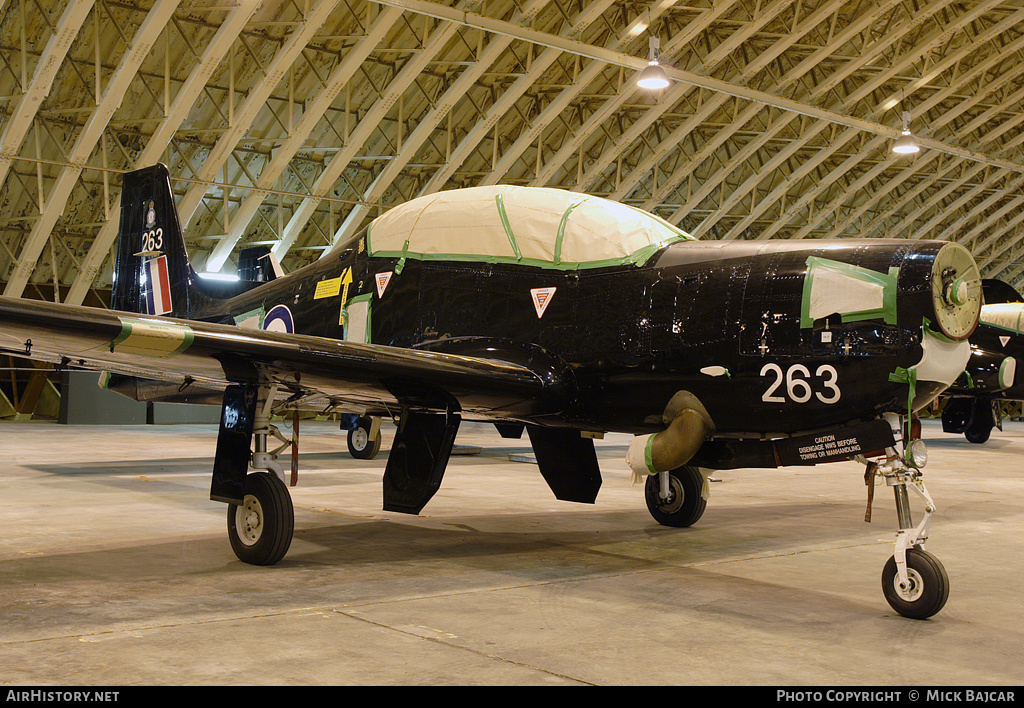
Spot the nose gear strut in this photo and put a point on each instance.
(914, 582)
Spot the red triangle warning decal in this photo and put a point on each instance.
(1004, 339)
(382, 282)
(541, 298)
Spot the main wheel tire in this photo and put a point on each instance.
(360, 445)
(685, 504)
(983, 419)
(261, 529)
(978, 433)
(929, 585)
(957, 415)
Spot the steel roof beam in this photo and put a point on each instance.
(26, 107)
(819, 90)
(672, 96)
(85, 143)
(975, 73)
(186, 97)
(362, 132)
(887, 189)
(245, 115)
(479, 131)
(534, 131)
(1013, 225)
(649, 164)
(572, 46)
(863, 91)
(435, 115)
(286, 151)
(850, 163)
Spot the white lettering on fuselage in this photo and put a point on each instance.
(796, 384)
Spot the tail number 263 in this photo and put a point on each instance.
(799, 386)
(153, 240)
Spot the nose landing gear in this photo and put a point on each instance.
(914, 582)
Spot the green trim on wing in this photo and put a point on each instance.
(152, 338)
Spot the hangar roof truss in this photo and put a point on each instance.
(295, 123)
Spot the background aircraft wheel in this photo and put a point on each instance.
(260, 530)
(983, 419)
(957, 415)
(929, 585)
(978, 433)
(685, 504)
(360, 446)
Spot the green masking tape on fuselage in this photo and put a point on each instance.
(150, 338)
(909, 377)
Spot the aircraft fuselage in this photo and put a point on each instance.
(723, 321)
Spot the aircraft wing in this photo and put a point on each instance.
(215, 355)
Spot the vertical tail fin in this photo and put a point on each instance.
(152, 273)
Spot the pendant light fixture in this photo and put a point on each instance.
(905, 144)
(653, 76)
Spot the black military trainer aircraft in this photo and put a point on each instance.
(973, 403)
(546, 310)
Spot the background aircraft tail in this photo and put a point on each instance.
(152, 273)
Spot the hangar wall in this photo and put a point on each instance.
(83, 402)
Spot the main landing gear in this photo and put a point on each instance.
(260, 518)
(676, 498)
(974, 417)
(260, 529)
(364, 436)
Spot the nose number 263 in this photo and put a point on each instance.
(797, 385)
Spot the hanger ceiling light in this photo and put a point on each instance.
(905, 144)
(653, 76)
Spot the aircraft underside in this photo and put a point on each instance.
(261, 518)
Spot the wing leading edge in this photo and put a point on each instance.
(218, 355)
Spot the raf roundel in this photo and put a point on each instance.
(279, 319)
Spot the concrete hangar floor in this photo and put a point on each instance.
(115, 570)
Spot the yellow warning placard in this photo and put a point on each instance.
(327, 288)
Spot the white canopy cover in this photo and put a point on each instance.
(537, 226)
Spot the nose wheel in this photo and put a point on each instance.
(926, 588)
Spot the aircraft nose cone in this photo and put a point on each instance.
(956, 291)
